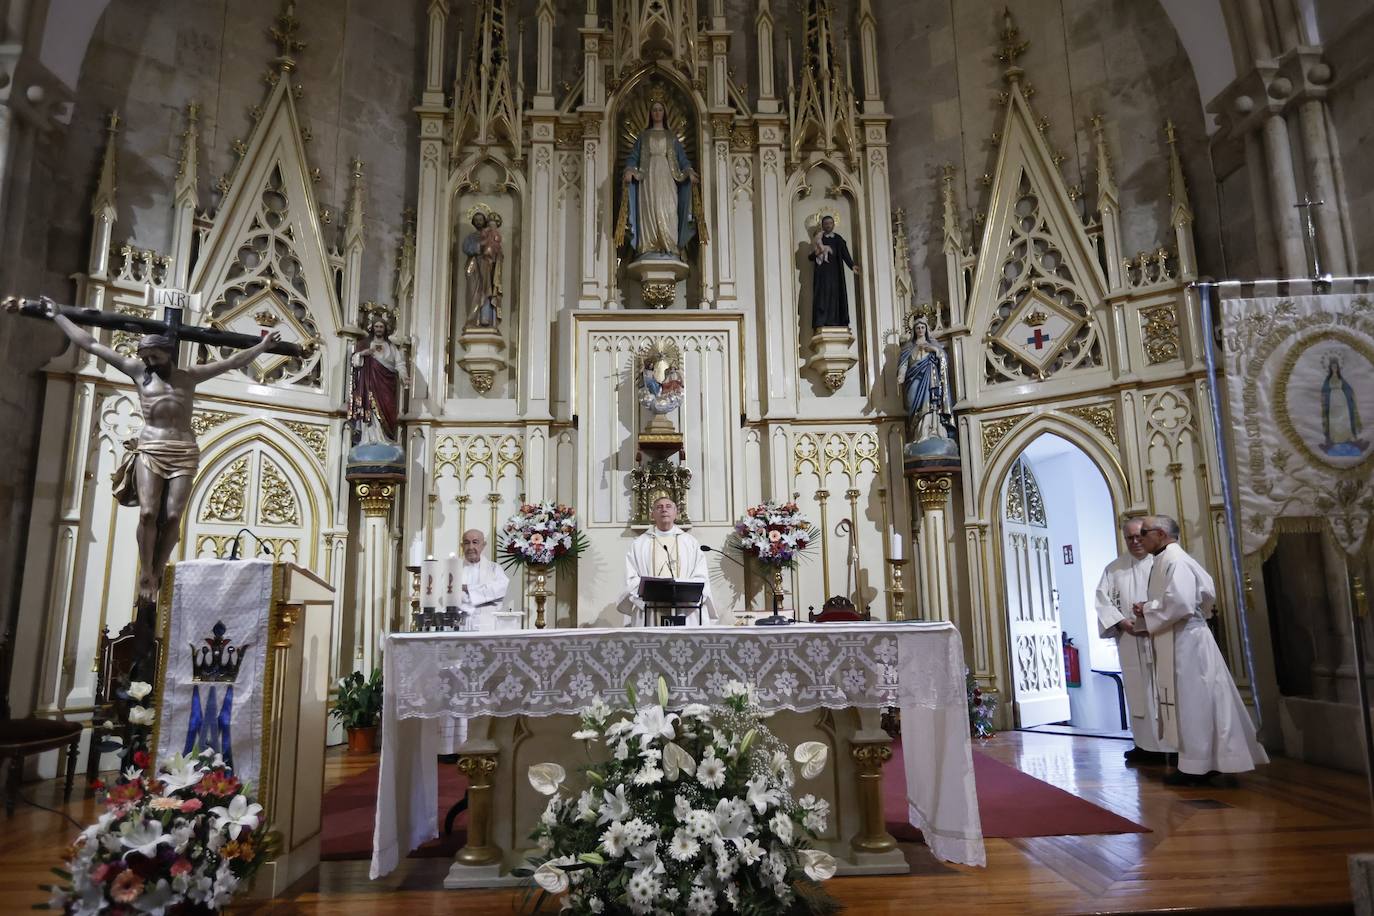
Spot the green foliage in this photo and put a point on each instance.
(359, 704)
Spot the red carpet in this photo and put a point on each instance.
(1011, 804)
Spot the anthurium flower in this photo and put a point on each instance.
(812, 756)
(547, 777)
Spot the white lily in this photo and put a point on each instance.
(585, 734)
(547, 777)
(139, 689)
(652, 722)
(142, 715)
(812, 756)
(616, 807)
(237, 816)
(143, 838)
(818, 866)
(180, 772)
(759, 796)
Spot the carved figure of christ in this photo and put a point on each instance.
(165, 456)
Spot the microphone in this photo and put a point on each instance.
(234, 551)
(708, 549)
(672, 566)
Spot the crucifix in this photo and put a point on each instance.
(1306, 207)
(158, 467)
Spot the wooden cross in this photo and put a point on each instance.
(1306, 207)
(170, 327)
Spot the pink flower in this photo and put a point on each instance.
(191, 804)
(180, 867)
(126, 888)
(103, 872)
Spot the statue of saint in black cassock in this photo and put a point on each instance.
(829, 298)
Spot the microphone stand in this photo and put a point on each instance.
(772, 620)
(238, 535)
(676, 619)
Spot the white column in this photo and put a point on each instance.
(777, 312)
(430, 321)
(721, 240)
(593, 292)
(539, 308)
(1266, 245)
(377, 586)
(935, 601)
(876, 263)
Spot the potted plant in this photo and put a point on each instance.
(358, 707)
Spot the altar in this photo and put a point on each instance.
(521, 693)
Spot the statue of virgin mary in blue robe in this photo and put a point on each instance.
(658, 184)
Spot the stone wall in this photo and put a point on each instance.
(940, 78)
(1352, 121)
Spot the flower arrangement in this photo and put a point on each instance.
(182, 841)
(980, 708)
(775, 534)
(693, 812)
(540, 535)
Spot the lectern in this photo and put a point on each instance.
(669, 602)
(245, 671)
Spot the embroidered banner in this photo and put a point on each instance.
(216, 645)
(1300, 387)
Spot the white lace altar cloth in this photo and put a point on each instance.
(917, 667)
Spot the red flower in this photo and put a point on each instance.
(104, 872)
(97, 785)
(141, 759)
(124, 793)
(217, 782)
(191, 805)
(181, 866)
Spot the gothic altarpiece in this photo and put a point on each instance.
(522, 316)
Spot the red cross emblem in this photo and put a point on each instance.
(1039, 339)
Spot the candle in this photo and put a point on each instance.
(896, 546)
(417, 550)
(429, 583)
(453, 580)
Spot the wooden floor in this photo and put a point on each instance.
(1278, 841)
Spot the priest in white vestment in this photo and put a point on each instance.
(484, 583)
(1200, 709)
(483, 593)
(1121, 588)
(665, 551)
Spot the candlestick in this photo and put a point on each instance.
(897, 588)
(429, 583)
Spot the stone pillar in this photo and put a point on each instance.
(1321, 184)
(1283, 186)
(430, 321)
(935, 601)
(377, 613)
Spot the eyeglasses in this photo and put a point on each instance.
(1135, 537)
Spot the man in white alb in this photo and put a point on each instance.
(1122, 587)
(483, 593)
(484, 582)
(665, 551)
(1200, 709)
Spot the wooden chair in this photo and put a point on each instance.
(838, 609)
(20, 738)
(115, 658)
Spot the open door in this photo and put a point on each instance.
(1037, 657)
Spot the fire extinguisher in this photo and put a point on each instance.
(1072, 675)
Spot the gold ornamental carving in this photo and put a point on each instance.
(933, 491)
(315, 437)
(1159, 331)
(659, 295)
(202, 421)
(375, 498)
(126, 342)
(1100, 416)
(276, 501)
(482, 380)
(229, 494)
(994, 431)
(834, 379)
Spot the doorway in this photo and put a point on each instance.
(1058, 533)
